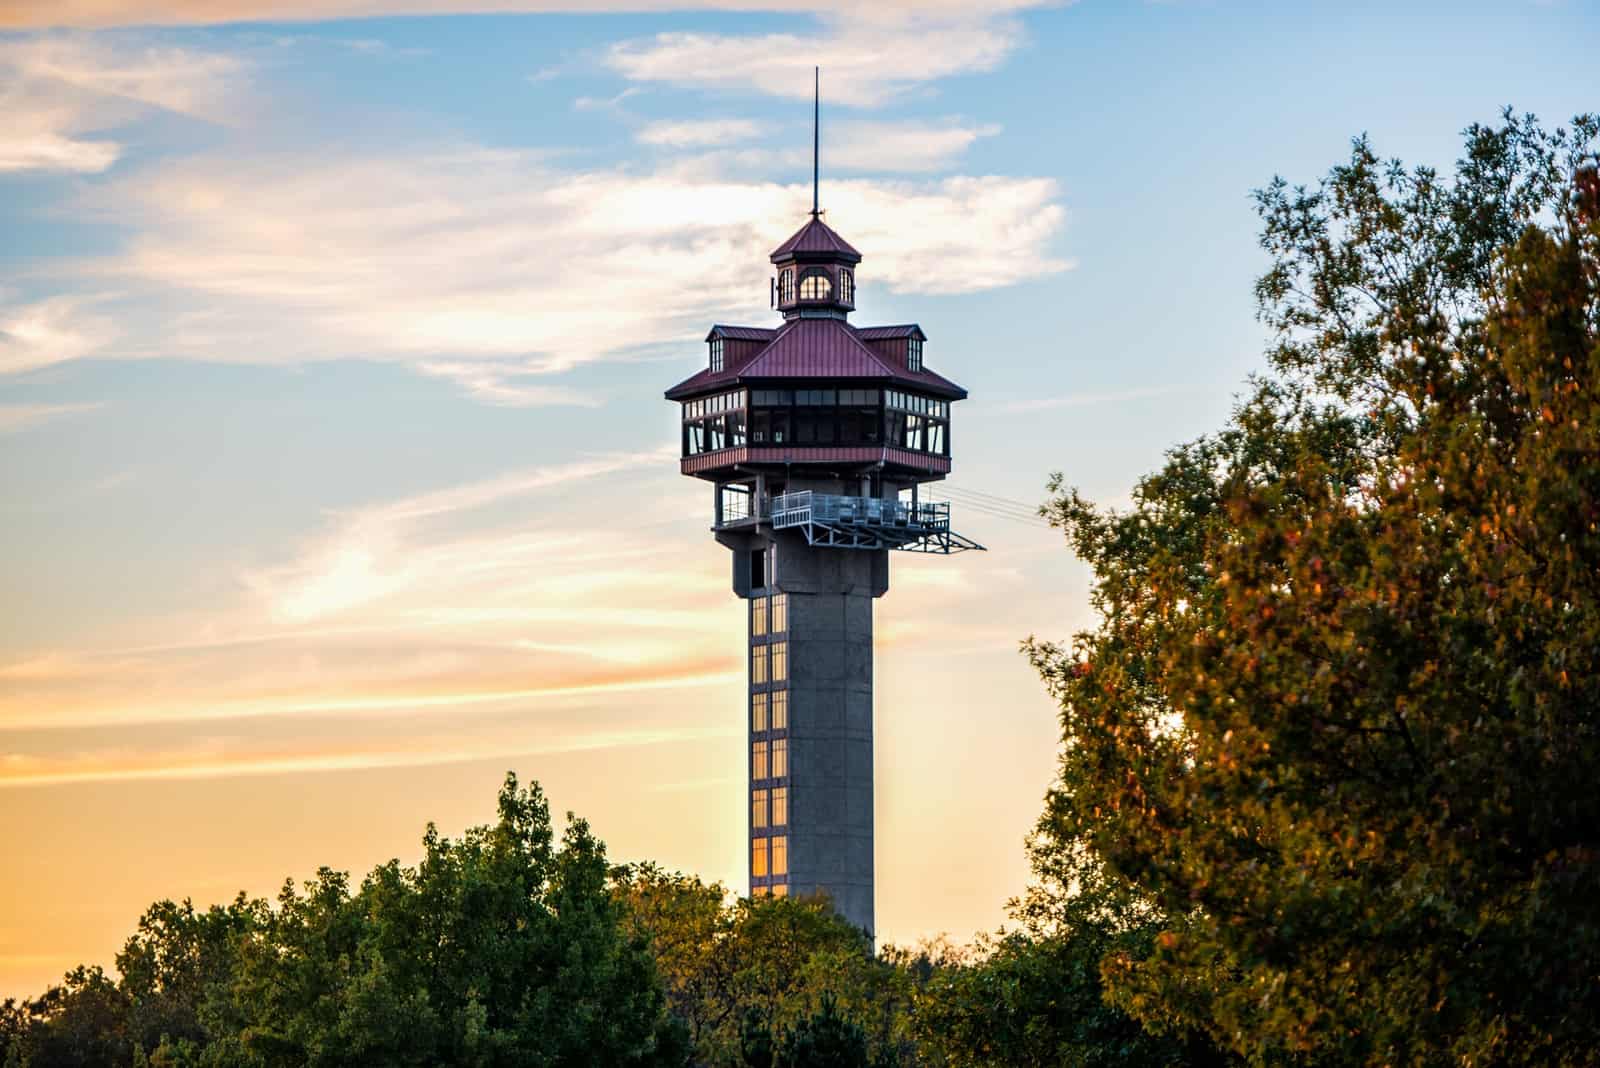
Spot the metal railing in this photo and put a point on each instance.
(807, 506)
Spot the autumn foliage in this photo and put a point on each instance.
(1341, 719)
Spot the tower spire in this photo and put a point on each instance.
(816, 139)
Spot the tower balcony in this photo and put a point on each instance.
(844, 522)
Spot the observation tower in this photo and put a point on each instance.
(815, 435)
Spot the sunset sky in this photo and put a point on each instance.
(335, 476)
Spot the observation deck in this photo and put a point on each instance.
(838, 521)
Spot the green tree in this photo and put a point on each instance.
(733, 970)
(824, 1039)
(1033, 997)
(1340, 716)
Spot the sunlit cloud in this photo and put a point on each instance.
(59, 93)
(445, 263)
(866, 61)
(49, 331)
(209, 759)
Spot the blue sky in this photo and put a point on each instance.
(336, 473)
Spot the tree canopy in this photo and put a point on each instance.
(1338, 721)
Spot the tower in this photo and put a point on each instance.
(815, 435)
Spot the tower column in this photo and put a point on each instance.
(811, 688)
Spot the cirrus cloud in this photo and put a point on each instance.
(500, 273)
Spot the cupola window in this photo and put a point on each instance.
(914, 354)
(815, 285)
(847, 287)
(786, 286)
(716, 354)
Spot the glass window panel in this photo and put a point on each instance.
(758, 664)
(778, 889)
(780, 854)
(912, 438)
(780, 806)
(815, 287)
(762, 891)
(758, 616)
(936, 438)
(758, 857)
(779, 718)
(758, 712)
(759, 765)
(780, 661)
(780, 758)
(758, 808)
(780, 613)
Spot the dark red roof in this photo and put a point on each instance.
(890, 333)
(816, 238)
(743, 333)
(816, 349)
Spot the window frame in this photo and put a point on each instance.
(913, 353)
(810, 274)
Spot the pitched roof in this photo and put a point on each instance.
(889, 333)
(816, 238)
(742, 333)
(816, 349)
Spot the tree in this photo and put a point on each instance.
(1340, 716)
(825, 1039)
(741, 975)
(1033, 997)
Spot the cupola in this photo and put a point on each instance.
(816, 273)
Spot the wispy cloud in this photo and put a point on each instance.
(867, 60)
(49, 331)
(61, 92)
(96, 13)
(682, 133)
(15, 418)
(901, 147)
(494, 269)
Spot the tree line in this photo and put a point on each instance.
(1326, 789)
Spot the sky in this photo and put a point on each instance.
(335, 475)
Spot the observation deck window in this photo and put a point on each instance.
(914, 354)
(716, 354)
(715, 422)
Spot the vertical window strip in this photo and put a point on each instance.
(779, 719)
(780, 806)
(759, 760)
(780, 613)
(758, 809)
(780, 758)
(758, 664)
(758, 617)
(779, 661)
(780, 854)
(759, 720)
